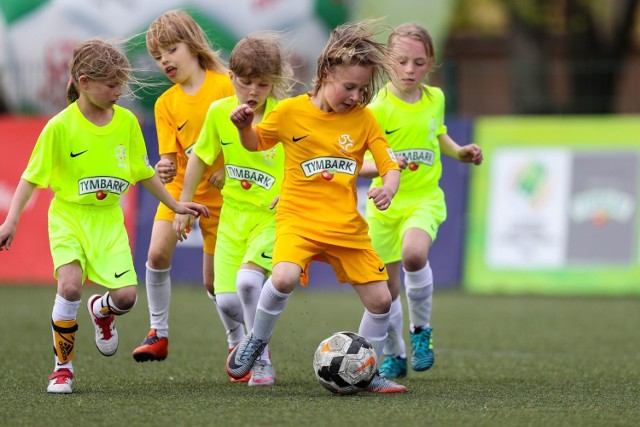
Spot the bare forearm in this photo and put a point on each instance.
(192, 177)
(157, 190)
(21, 197)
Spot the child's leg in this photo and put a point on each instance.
(249, 281)
(229, 309)
(273, 298)
(103, 310)
(64, 326)
(376, 298)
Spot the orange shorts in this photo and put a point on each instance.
(356, 266)
(208, 226)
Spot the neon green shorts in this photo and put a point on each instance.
(96, 237)
(387, 228)
(246, 234)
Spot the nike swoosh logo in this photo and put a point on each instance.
(72, 154)
(369, 362)
(121, 274)
(263, 255)
(180, 127)
(225, 143)
(294, 139)
(381, 269)
(389, 132)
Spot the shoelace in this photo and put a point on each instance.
(421, 340)
(253, 346)
(105, 326)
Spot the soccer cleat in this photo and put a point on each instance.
(61, 381)
(244, 379)
(243, 356)
(152, 348)
(380, 384)
(106, 333)
(262, 374)
(422, 356)
(393, 367)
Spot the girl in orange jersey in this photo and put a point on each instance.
(181, 50)
(325, 134)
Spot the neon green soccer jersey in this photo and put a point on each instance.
(88, 164)
(251, 177)
(412, 131)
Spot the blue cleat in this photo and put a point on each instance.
(393, 367)
(422, 356)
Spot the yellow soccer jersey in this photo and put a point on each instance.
(323, 154)
(250, 177)
(179, 118)
(88, 164)
(412, 131)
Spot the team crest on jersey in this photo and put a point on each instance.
(346, 143)
(268, 156)
(333, 164)
(121, 156)
(250, 176)
(417, 156)
(102, 185)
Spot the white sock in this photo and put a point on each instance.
(419, 290)
(230, 311)
(106, 301)
(394, 345)
(249, 285)
(159, 296)
(64, 310)
(270, 306)
(374, 328)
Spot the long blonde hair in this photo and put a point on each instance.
(98, 60)
(354, 44)
(176, 26)
(418, 33)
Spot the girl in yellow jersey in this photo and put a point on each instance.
(325, 134)
(89, 154)
(411, 114)
(182, 52)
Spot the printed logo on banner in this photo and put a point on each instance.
(602, 226)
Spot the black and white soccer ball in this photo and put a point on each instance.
(345, 363)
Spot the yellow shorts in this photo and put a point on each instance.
(387, 228)
(208, 226)
(246, 234)
(352, 265)
(96, 237)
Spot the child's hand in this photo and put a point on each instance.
(6, 236)
(182, 224)
(381, 197)
(242, 116)
(471, 153)
(166, 170)
(217, 178)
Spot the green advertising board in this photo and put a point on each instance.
(554, 209)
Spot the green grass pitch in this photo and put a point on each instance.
(500, 361)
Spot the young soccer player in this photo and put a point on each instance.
(260, 74)
(181, 50)
(325, 134)
(411, 114)
(89, 154)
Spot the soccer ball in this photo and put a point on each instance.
(345, 363)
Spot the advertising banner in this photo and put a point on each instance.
(554, 210)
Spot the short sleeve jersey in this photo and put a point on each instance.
(251, 177)
(88, 164)
(323, 154)
(179, 118)
(412, 131)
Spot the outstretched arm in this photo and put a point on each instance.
(470, 153)
(20, 199)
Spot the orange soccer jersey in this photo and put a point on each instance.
(179, 118)
(323, 154)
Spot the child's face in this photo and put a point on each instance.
(252, 90)
(176, 61)
(413, 64)
(102, 94)
(344, 86)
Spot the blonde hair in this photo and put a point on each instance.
(176, 26)
(354, 44)
(260, 55)
(99, 60)
(418, 33)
